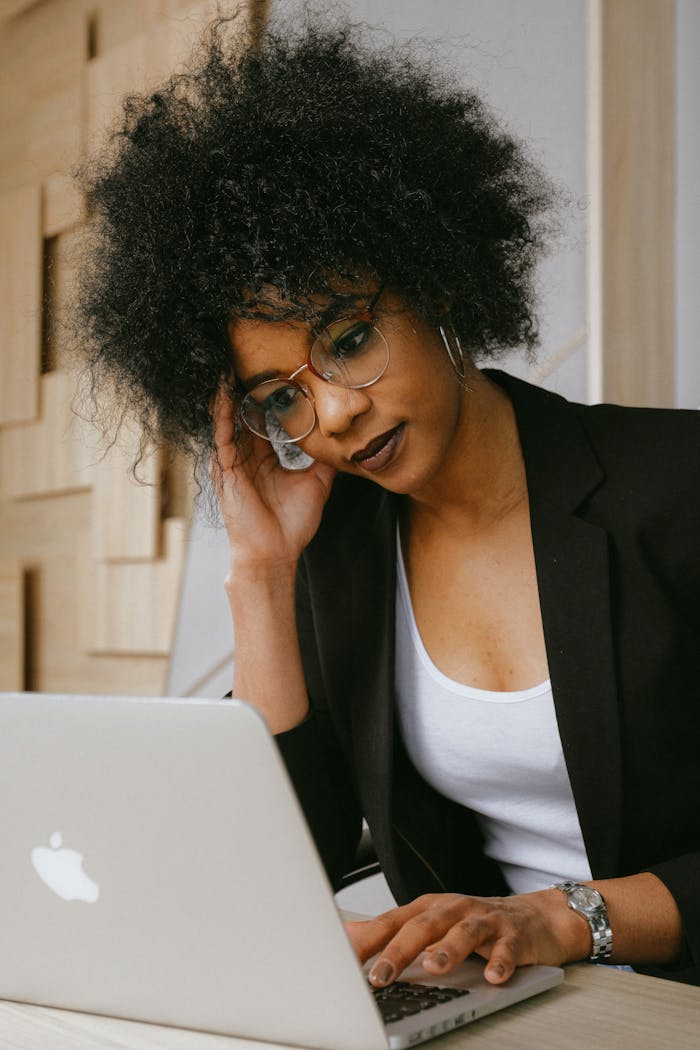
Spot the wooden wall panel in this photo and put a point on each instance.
(55, 454)
(34, 530)
(63, 205)
(131, 605)
(60, 272)
(14, 170)
(632, 150)
(109, 77)
(126, 514)
(115, 24)
(54, 33)
(51, 539)
(11, 626)
(181, 28)
(10, 8)
(57, 655)
(100, 556)
(140, 62)
(20, 303)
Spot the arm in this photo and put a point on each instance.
(681, 877)
(268, 672)
(270, 516)
(521, 930)
(267, 668)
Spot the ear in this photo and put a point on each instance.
(445, 303)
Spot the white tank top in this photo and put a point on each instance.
(497, 753)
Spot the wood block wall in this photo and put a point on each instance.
(90, 561)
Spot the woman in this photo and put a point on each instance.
(469, 610)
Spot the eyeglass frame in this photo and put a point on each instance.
(367, 315)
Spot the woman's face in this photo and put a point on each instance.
(399, 431)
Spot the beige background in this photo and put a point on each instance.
(90, 561)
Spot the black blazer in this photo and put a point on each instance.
(615, 513)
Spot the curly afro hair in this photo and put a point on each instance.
(312, 160)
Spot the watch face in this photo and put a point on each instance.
(585, 898)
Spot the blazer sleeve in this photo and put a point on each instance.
(649, 506)
(674, 537)
(317, 763)
(681, 876)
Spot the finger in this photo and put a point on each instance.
(502, 961)
(325, 475)
(369, 936)
(223, 415)
(461, 939)
(224, 451)
(242, 452)
(479, 934)
(415, 935)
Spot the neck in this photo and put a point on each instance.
(483, 477)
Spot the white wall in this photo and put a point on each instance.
(527, 58)
(201, 662)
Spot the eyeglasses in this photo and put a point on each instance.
(350, 352)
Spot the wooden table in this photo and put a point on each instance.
(595, 1008)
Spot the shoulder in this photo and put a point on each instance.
(649, 455)
(651, 461)
(632, 472)
(670, 435)
(616, 425)
(646, 450)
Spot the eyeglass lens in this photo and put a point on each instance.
(350, 352)
(279, 411)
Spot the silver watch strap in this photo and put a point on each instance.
(602, 938)
(598, 922)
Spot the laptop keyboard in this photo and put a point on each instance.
(402, 999)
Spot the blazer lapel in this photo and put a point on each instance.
(573, 572)
(411, 825)
(373, 589)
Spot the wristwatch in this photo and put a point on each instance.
(590, 904)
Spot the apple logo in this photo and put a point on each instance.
(62, 871)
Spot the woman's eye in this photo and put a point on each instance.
(282, 400)
(352, 340)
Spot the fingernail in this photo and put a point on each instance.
(382, 972)
(496, 970)
(439, 959)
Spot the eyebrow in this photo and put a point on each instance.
(260, 377)
(332, 312)
(342, 304)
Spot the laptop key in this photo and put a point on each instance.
(402, 999)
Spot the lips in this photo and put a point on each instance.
(379, 452)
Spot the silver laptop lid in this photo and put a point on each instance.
(156, 866)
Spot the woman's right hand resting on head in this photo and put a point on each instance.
(270, 515)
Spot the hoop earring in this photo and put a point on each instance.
(454, 349)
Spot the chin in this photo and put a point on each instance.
(401, 482)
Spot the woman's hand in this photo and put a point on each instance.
(270, 513)
(506, 931)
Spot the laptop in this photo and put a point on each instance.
(157, 867)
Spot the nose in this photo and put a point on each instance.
(338, 406)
